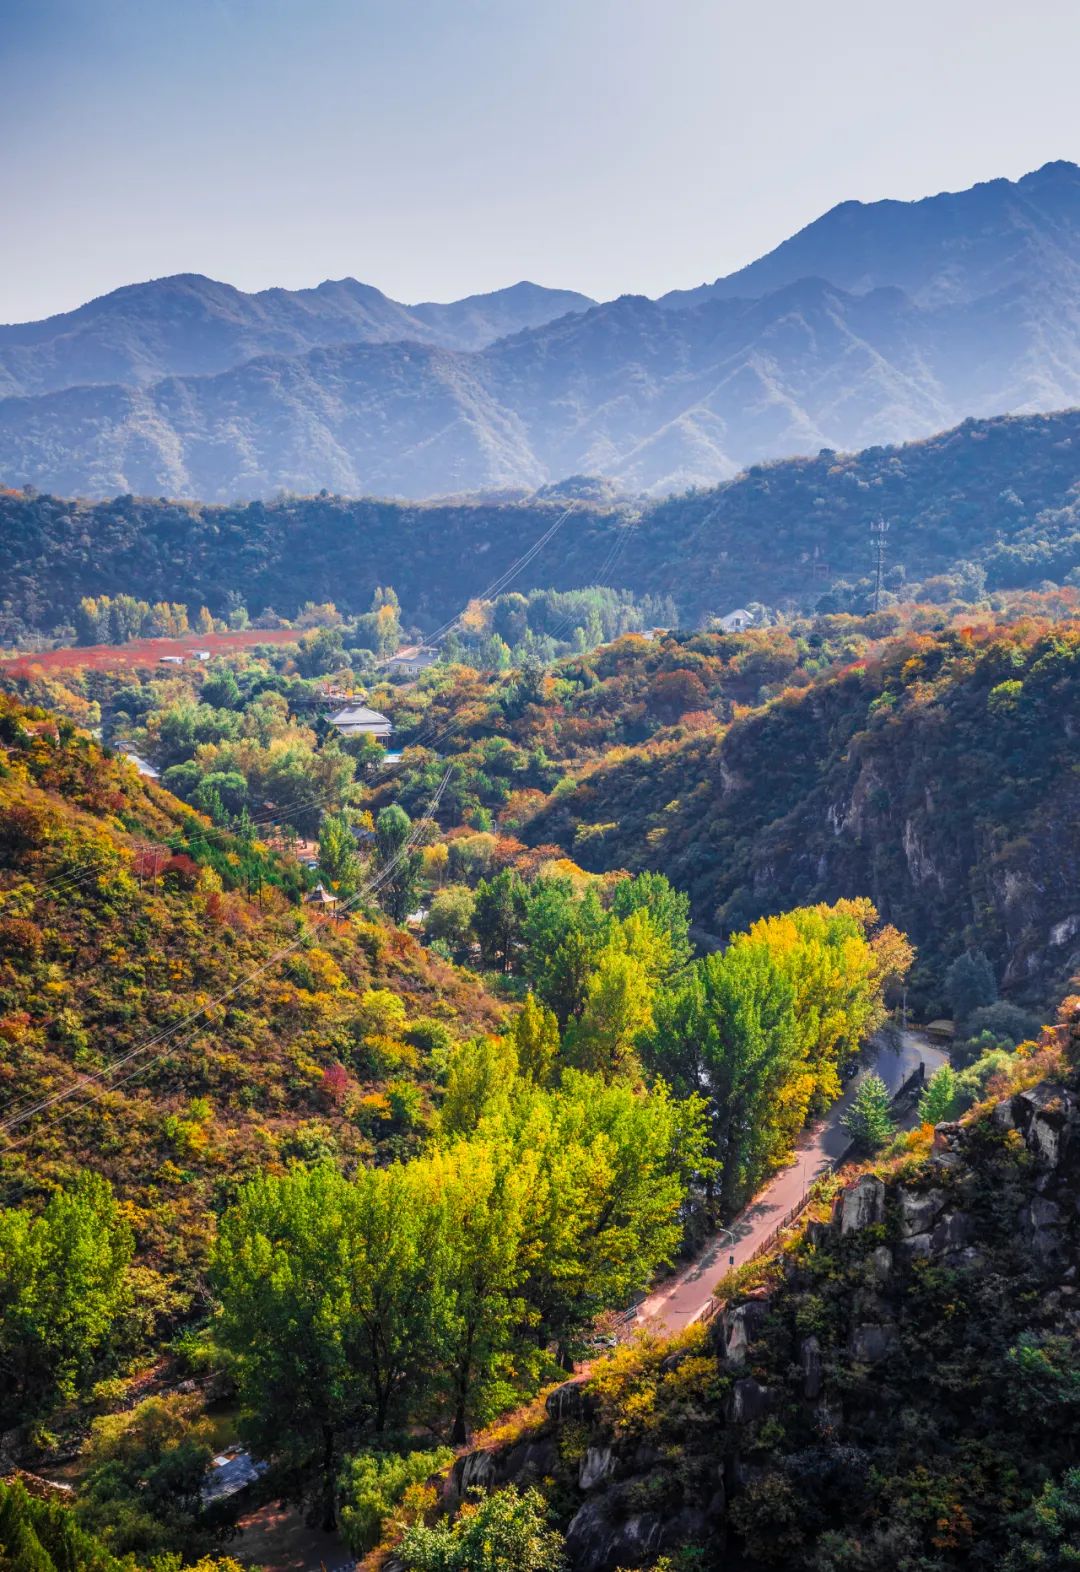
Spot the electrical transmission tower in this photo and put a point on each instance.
(878, 531)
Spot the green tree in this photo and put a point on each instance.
(617, 1012)
(374, 1484)
(668, 910)
(478, 1074)
(869, 1120)
(339, 862)
(939, 1096)
(479, 1187)
(969, 984)
(504, 1532)
(397, 863)
(42, 1536)
(450, 915)
(64, 1286)
(499, 916)
(612, 1167)
(145, 1468)
(334, 1301)
(1047, 1534)
(221, 689)
(535, 1035)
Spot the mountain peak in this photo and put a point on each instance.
(954, 246)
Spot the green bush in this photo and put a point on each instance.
(504, 1532)
(372, 1485)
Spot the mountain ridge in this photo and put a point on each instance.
(880, 323)
(998, 498)
(188, 323)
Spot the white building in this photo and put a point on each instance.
(412, 661)
(357, 720)
(737, 621)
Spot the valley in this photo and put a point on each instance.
(539, 842)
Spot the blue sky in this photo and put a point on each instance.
(440, 147)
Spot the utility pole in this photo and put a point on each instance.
(878, 531)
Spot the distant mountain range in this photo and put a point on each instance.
(877, 323)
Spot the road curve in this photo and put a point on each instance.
(684, 1297)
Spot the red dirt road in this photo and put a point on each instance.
(141, 652)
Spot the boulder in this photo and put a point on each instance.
(1043, 1115)
(952, 1231)
(871, 1342)
(881, 1263)
(571, 1401)
(473, 1471)
(810, 1363)
(862, 1205)
(598, 1540)
(597, 1465)
(946, 1150)
(530, 1459)
(739, 1325)
(1041, 1220)
(919, 1212)
(749, 1401)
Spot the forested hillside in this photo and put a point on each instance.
(896, 1389)
(936, 776)
(123, 958)
(990, 503)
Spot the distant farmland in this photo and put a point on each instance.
(141, 652)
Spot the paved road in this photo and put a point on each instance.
(684, 1297)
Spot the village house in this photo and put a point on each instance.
(737, 621)
(412, 661)
(357, 720)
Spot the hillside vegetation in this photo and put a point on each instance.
(110, 940)
(894, 1392)
(991, 503)
(936, 776)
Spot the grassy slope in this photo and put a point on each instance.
(91, 969)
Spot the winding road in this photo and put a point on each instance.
(685, 1297)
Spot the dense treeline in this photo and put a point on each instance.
(992, 496)
(436, 1291)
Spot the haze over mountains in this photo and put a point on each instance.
(877, 323)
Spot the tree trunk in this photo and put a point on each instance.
(327, 1522)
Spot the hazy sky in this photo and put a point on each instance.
(440, 147)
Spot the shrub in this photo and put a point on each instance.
(504, 1532)
(373, 1485)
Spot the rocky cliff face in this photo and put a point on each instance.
(895, 1393)
(938, 780)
